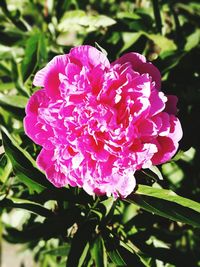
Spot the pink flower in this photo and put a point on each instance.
(98, 122)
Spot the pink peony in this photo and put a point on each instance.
(99, 122)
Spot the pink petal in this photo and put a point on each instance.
(166, 150)
(152, 71)
(57, 178)
(37, 133)
(46, 162)
(37, 100)
(157, 102)
(176, 132)
(89, 55)
(140, 65)
(147, 128)
(44, 159)
(71, 70)
(48, 77)
(134, 58)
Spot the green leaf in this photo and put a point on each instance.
(142, 258)
(17, 78)
(156, 171)
(10, 202)
(13, 100)
(99, 252)
(173, 173)
(112, 248)
(116, 258)
(166, 204)
(80, 245)
(127, 15)
(23, 165)
(163, 42)
(130, 211)
(6, 86)
(84, 254)
(79, 19)
(107, 205)
(5, 168)
(123, 253)
(170, 60)
(193, 40)
(53, 226)
(59, 251)
(35, 54)
(156, 10)
(129, 39)
(6, 52)
(14, 19)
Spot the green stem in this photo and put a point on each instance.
(156, 10)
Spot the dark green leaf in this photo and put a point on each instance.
(27, 205)
(167, 204)
(79, 247)
(5, 168)
(99, 252)
(17, 77)
(24, 166)
(52, 227)
(107, 204)
(59, 251)
(116, 258)
(156, 9)
(123, 254)
(35, 54)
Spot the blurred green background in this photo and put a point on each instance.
(31, 33)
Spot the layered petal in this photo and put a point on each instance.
(140, 65)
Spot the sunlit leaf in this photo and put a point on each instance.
(77, 19)
(193, 40)
(164, 43)
(156, 171)
(6, 86)
(13, 100)
(129, 39)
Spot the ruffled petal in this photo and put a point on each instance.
(166, 149)
(140, 65)
(89, 55)
(48, 77)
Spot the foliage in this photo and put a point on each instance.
(158, 225)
